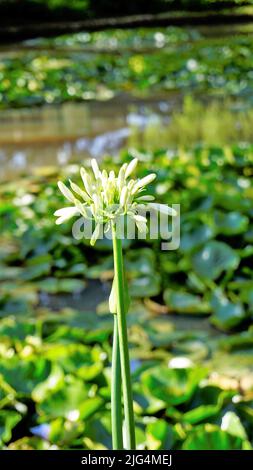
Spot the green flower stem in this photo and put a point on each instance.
(123, 341)
(117, 438)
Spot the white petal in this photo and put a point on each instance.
(140, 218)
(86, 181)
(65, 191)
(112, 180)
(95, 168)
(97, 202)
(121, 176)
(104, 178)
(142, 226)
(66, 211)
(79, 191)
(123, 196)
(163, 209)
(95, 235)
(83, 173)
(131, 167)
(143, 182)
(145, 198)
(62, 219)
(107, 227)
(81, 208)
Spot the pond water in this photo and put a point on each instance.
(56, 135)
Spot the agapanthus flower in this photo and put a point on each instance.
(105, 196)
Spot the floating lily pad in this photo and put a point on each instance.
(214, 258)
(211, 437)
(145, 286)
(55, 286)
(230, 223)
(226, 314)
(72, 400)
(159, 435)
(23, 376)
(8, 420)
(173, 386)
(29, 443)
(183, 302)
(195, 238)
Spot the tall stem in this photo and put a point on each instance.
(116, 406)
(123, 341)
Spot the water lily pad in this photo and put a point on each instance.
(159, 435)
(98, 432)
(211, 437)
(63, 432)
(55, 286)
(145, 286)
(29, 443)
(201, 413)
(226, 314)
(173, 386)
(183, 302)
(214, 258)
(195, 238)
(12, 330)
(53, 382)
(230, 223)
(8, 420)
(76, 358)
(36, 271)
(69, 400)
(9, 272)
(238, 342)
(140, 261)
(23, 375)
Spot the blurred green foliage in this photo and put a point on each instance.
(219, 120)
(89, 66)
(55, 364)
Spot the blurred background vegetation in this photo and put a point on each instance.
(105, 8)
(180, 99)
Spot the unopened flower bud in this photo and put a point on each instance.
(131, 167)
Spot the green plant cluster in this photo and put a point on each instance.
(173, 60)
(221, 121)
(55, 362)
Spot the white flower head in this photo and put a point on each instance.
(104, 197)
